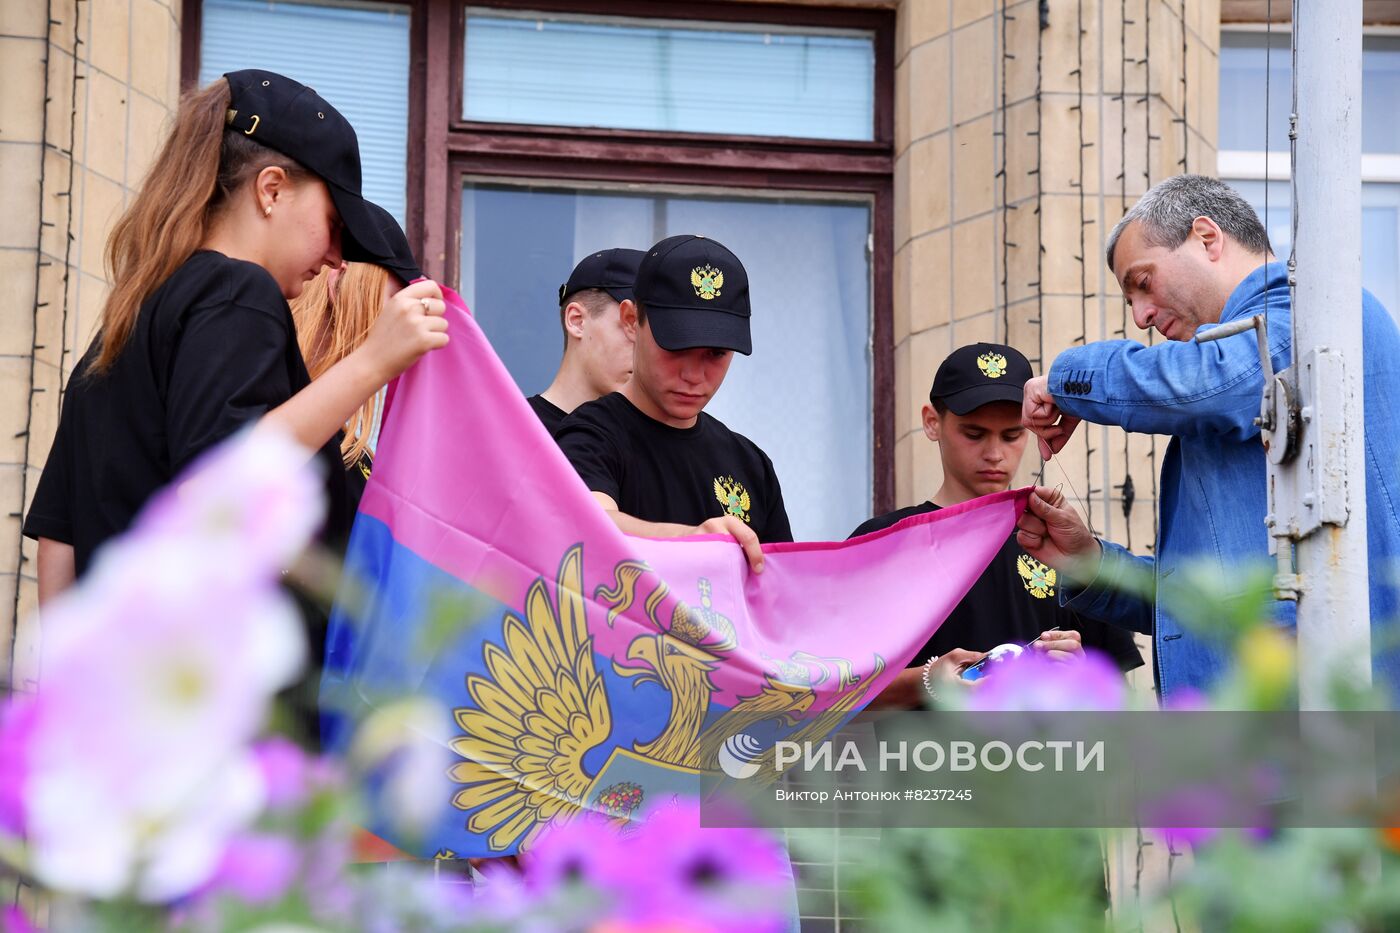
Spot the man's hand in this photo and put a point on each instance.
(1059, 645)
(1053, 534)
(1043, 417)
(741, 532)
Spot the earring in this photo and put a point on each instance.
(267, 211)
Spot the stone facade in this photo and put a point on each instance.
(89, 85)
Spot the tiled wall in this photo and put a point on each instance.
(89, 85)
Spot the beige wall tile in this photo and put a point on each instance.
(901, 198)
(19, 222)
(980, 329)
(149, 123)
(92, 293)
(1023, 241)
(930, 280)
(974, 267)
(16, 303)
(49, 319)
(102, 205)
(1061, 217)
(105, 152)
(1063, 52)
(965, 11)
(43, 419)
(926, 351)
(61, 126)
(24, 18)
(902, 417)
(14, 388)
(974, 168)
(929, 94)
(151, 67)
(1023, 331)
(975, 70)
(904, 470)
(22, 103)
(60, 203)
(923, 20)
(1022, 34)
(109, 46)
(1022, 151)
(927, 185)
(1203, 91)
(71, 16)
(902, 307)
(901, 107)
(1067, 124)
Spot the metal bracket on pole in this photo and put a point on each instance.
(1313, 494)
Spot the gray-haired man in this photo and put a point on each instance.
(1193, 253)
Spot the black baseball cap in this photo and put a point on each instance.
(696, 294)
(974, 375)
(291, 118)
(612, 270)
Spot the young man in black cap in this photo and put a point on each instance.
(597, 348)
(656, 462)
(974, 415)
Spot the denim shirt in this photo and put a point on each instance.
(1212, 495)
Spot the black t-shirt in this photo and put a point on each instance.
(213, 350)
(1014, 600)
(663, 474)
(548, 412)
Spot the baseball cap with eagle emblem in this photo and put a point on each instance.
(979, 373)
(696, 294)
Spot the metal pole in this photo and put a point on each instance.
(1334, 617)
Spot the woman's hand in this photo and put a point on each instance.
(411, 324)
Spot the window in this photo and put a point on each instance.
(354, 54)
(782, 151)
(567, 70)
(1244, 157)
(805, 393)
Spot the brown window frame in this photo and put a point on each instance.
(449, 149)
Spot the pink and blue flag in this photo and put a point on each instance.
(581, 669)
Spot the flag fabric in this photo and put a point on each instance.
(578, 668)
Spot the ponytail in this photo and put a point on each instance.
(331, 323)
(198, 169)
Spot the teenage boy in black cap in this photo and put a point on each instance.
(597, 348)
(974, 415)
(654, 460)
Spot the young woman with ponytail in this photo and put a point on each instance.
(255, 190)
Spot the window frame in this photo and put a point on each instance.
(445, 149)
(1262, 165)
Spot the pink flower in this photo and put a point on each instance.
(1034, 683)
(285, 772)
(13, 920)
(257, 868)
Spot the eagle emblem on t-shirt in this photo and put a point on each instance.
(1038, 579)
(993, 365)
(707, 281)
(733, 496)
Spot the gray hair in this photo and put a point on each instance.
(1170, 207)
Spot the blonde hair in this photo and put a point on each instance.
(333, 320)
(200, 166)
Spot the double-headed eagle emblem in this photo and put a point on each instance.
(1038, 579)
(707, 281)
(993, 365)
(733, 496)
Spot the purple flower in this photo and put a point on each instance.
(16, 729)
(1034, 683)
(257, 868)
(13, 920)
(285, 772)
(669, 874)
